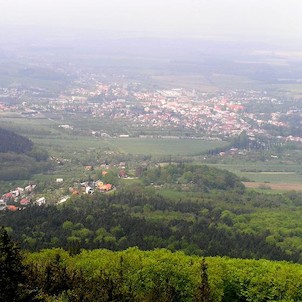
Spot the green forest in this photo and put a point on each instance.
(164, 237)
(200, 210)
(193, 177)
(148, 221)
(134, 275)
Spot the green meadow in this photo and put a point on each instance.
(266, 172)
(163, 146)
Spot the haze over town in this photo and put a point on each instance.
(137, 137)
(275, 20)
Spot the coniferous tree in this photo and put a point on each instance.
(11, 269)
(204, 290)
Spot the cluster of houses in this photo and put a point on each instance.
(90, 187)
(223, 113)
(19, 198)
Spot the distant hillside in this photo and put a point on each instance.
(19, 158)
(13, 142)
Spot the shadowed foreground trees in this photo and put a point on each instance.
(11, 269)
(204, 291)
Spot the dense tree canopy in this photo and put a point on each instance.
(159, 275)
(193, 177)
(222, 224)
(13, 142)
(11, 269)
(19, 158)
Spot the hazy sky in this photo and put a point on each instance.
(274, 18)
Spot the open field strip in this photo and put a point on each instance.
(160, 146)
(277, 173)
(274, 186)
(265, 172)
(288, 178)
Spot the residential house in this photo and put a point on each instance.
(24, 202)
(2, 205)
(41, 201)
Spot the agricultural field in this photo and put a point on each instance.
(274, 186)
(286, 178)
(46, 133)
(163, 146)
(80, 150)
(270, 173)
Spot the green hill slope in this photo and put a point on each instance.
(12, 142)
(19, 158)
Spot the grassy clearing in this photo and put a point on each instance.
(67, 143)
(266, 172)
(274, 178)
(163, 146)
(71, 143)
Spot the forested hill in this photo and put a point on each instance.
(117, 221)
(19, 158)
(13, 142)
(193, 177)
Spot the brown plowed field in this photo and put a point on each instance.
(274, 186)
